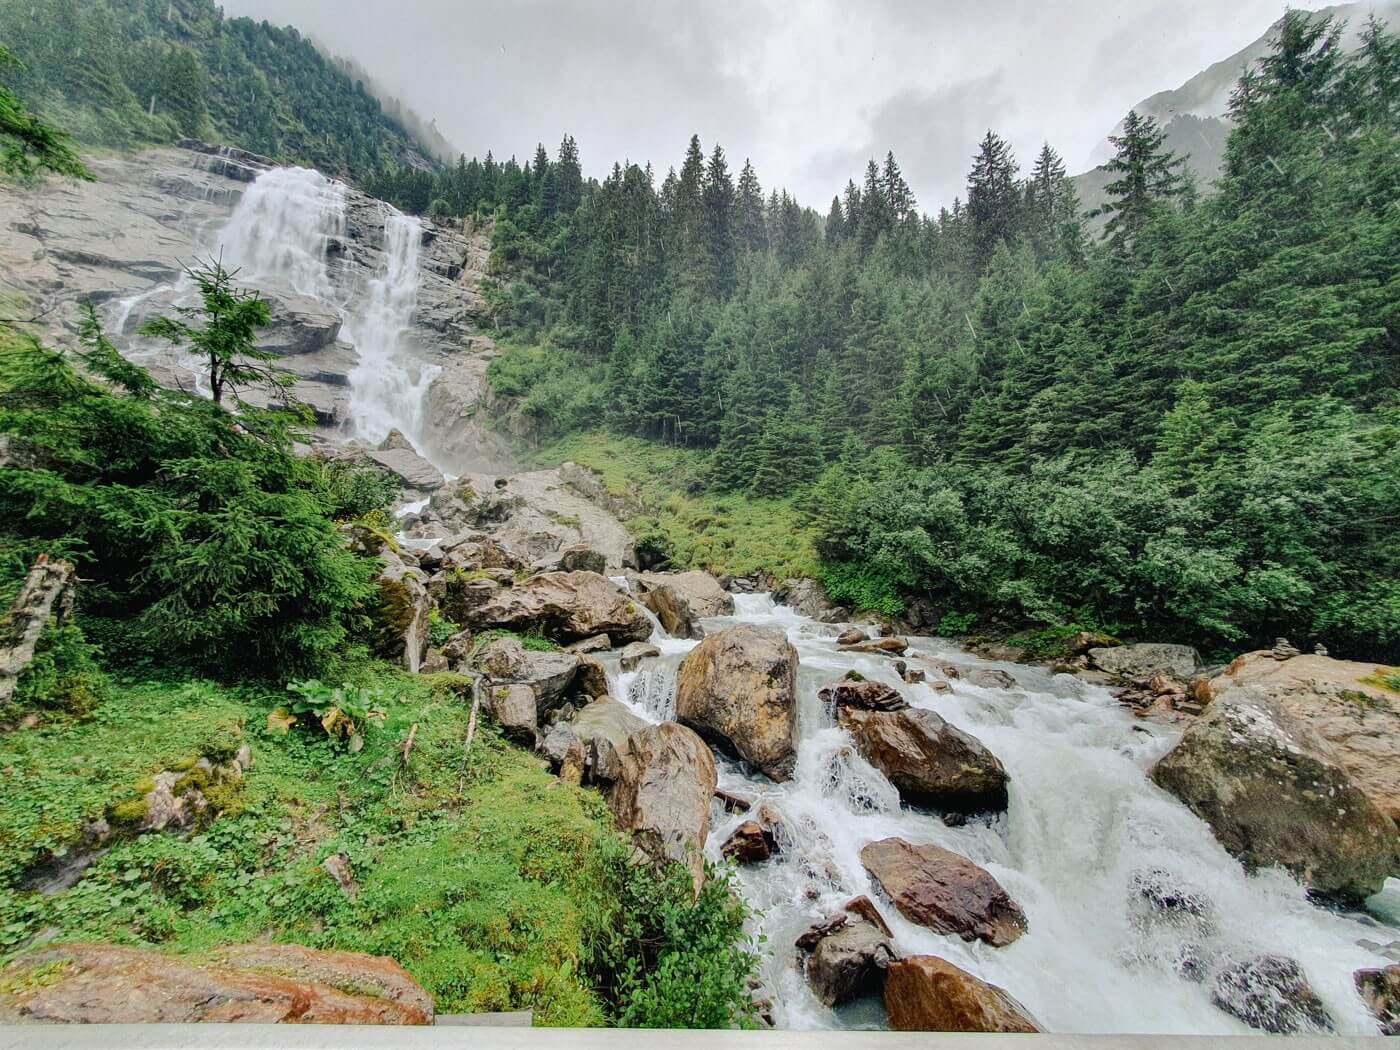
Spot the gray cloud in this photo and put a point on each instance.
(808, 89)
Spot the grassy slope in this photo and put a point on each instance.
(480, 878)
(725, 533)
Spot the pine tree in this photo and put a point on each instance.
(1052, 209)
(876, 216)
(897, 193)
(568, 177)
(750, 228)
(718, 197)
(835, 223)
(1147, 175)
(993, 199)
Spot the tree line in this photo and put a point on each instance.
(128, 72)
(1185, 425)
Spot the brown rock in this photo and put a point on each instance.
(750, 843)
(662, 795)
(1380, 991)
(862, 696)
(852, 636)
(702, 593)
(944, 891)
(731, 802)
(927, 994)
(631, 655)
(567, 607)
(930, 762)
(878, 646)
(848, 953)
(738, 688)
(673, 612)
(265, 984)
(605, 728)
(515, 711)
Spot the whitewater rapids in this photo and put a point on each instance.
(1083, 819)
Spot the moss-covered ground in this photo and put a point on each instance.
(480, 873)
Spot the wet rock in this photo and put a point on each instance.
(662, 795)
(937, 888)
(731, 802)
(592, 678)
(807, 598)
(847, 954)
(750, 843)
(852, 636)
(930, 762)
(1275, 793)
(927, 994)
(634, 653)
(702, 593)
(579, 557)
(409, 467)
(738, 688)
(892, 646)
(597, 644)
(862, 696)
(265, 984)
(673, 612)
(1340, 701)
(1380, 991)
(914, 675)
(990, 678)
(566, 606)
(1141, 661)
(1270, 992)
(557, 742)
(1165, 895)
(516, 712)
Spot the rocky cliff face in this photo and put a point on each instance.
(122, 242)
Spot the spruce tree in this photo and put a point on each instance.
(993, 199)
(750, 228)
(1148, 174)
(718, 198)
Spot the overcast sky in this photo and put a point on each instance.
(808, 88)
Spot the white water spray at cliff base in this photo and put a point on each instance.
(1083, 828)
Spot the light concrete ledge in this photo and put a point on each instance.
(362, 1037)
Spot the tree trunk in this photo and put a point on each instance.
(47, 592)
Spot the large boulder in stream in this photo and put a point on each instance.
(937, 888)
(693, 594)
(1270, 993)
(930, 762)
(566, 607)
(1343, 702)
(1275, 792)
(927, 994)
(248, 984)
(661, 796)
(738, 688)
(1141, 661)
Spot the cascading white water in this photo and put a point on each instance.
(388, 391)
(1084, 824)
(281, 230)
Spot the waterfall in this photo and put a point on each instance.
(282, 229)
(387, 391)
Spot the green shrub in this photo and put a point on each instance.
(664, 958)
(64, 674)
(864, 587)
(952, 624)
(440, 628)
(203, 539)
(345, 712)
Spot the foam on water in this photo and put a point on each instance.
(1084, 823)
